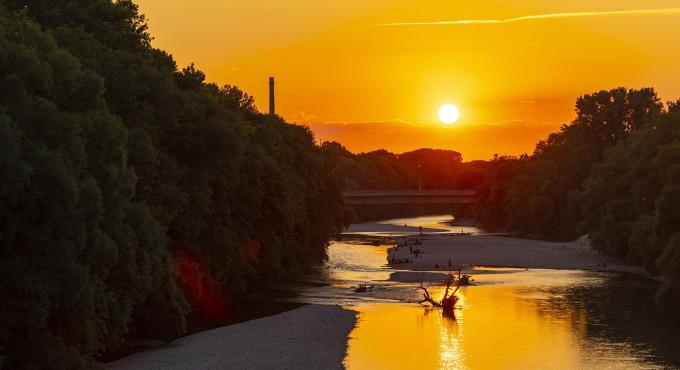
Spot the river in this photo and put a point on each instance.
(508, 319)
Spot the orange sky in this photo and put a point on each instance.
(356, 73)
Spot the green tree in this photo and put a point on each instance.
(128, 184)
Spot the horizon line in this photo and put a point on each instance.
(537, 17)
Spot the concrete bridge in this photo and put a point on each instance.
(410, 197)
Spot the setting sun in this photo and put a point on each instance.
(449, 114)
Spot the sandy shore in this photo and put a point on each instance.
(310, 337)
(373, 227)
(500, 251)
(493, 250)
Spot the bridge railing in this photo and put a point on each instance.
(409, 196)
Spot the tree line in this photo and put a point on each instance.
(133, 192)
(429, 169)
(613, 173)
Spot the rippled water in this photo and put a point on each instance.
(509, 319)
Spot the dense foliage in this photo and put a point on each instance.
(612, 173)
(630, 200)
(131, 191)
(381, 170)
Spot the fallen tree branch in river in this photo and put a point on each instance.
(448, 301)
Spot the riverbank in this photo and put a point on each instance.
(375, 227)
(309, 337)
(316, 336)
(448, 251)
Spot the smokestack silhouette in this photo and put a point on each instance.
(272, 106)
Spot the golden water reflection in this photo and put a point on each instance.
(497, 327)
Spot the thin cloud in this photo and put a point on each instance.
(539, 17)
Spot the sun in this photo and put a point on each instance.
(449, 114)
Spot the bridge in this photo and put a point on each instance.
(410, 197)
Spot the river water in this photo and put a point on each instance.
(508, 318)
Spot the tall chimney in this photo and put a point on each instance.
(272, 107)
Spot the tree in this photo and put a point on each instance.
(129, 186)
(539, 196)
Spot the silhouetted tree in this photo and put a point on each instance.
(129, 188)
(611, 174)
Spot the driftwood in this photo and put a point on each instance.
(463, 279)
(449, 300)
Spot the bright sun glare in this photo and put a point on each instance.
(449, 113)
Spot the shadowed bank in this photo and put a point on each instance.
(310, 337)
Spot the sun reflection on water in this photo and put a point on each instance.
(451, 353)
(510, 318)
(496, 327)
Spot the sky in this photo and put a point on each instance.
(372, 74)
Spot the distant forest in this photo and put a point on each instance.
(433, 169)
(382, 170)
(133, 192)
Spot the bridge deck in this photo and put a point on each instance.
(410, 197)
